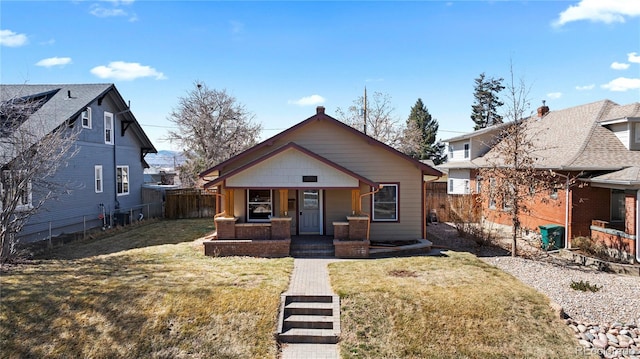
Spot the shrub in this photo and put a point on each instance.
(584, 286)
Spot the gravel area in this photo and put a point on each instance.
(618, 300)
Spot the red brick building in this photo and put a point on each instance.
(593, 153)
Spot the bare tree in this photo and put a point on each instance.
(30, 156)
(511, 171)
(212, 127)
(380, 121)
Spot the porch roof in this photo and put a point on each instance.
(285, 168)
(628, 177)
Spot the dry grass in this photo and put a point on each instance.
(144, 293)
(446, 307)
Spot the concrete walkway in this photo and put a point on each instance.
(310, 276)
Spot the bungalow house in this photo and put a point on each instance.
(594, 152)
(319, 177)
(106, 174)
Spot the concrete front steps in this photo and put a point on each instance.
(309, 319)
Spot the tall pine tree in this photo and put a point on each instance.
(484, 111)
(419, 139)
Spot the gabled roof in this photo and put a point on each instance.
(321, 116)
(629, 176)
(573, 139)
(487, 130)
(64, 102)
(296, 147)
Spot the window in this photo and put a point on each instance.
(618, 210)
(467, 187)
(385, 203)
(108, 128)
(258, 205)
(553, 193)
(637, 131)
(14, 186)
(450, 151)
(478, 185)
(98, 174)
(492, 198)
(122, 180)
(86, 117)
(508, 197)
(450, 185)
(466, 150)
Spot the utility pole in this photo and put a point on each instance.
(364, 111)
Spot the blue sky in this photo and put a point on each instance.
(282, 59)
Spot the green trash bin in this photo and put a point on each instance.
(552, 236)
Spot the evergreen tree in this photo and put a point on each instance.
(419, 139)
(484, 111)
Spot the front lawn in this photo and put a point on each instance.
(148, 292)
(443, 307)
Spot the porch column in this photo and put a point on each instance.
(229, 202)
(355, 198)
(284, 201)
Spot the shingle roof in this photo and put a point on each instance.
(574, 139)
(66, 102)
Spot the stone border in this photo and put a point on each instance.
(601, 265)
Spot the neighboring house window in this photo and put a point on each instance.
(450, 151)
(492, 196)
(108, 128)
(122, 180)
(467, 187)
(98, 173)
(450, 185)
(385, 203)
(507, 199)
(86, 117)
(478, 185)
(637, 131)
(11, 189)
(618, 210)
(466, 150)
(258, 205)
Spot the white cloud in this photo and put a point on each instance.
(619, 66)
(12, 39)
(54, 61)
(585, 87)
(633, 57)
(554, 95)
(308, 101)
(100, 11)
(608, 11)
(120, 70)
(622, 84)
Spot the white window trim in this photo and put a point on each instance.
(397, 202)
(128, 181)
(249, 202)
(87, 112)
(108, 120)
(99, 181)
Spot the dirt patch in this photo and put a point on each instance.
(402, 273)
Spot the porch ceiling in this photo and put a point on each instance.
(291, 166)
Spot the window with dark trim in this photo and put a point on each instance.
(259, 205)
(385, 203)
(466, 150)
(618, 210)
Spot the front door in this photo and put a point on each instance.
(310, 210)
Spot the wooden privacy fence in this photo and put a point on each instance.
(451, 208)
(189, 203)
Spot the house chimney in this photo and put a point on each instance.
(320, 110)
(68, 93)
(543, 110)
